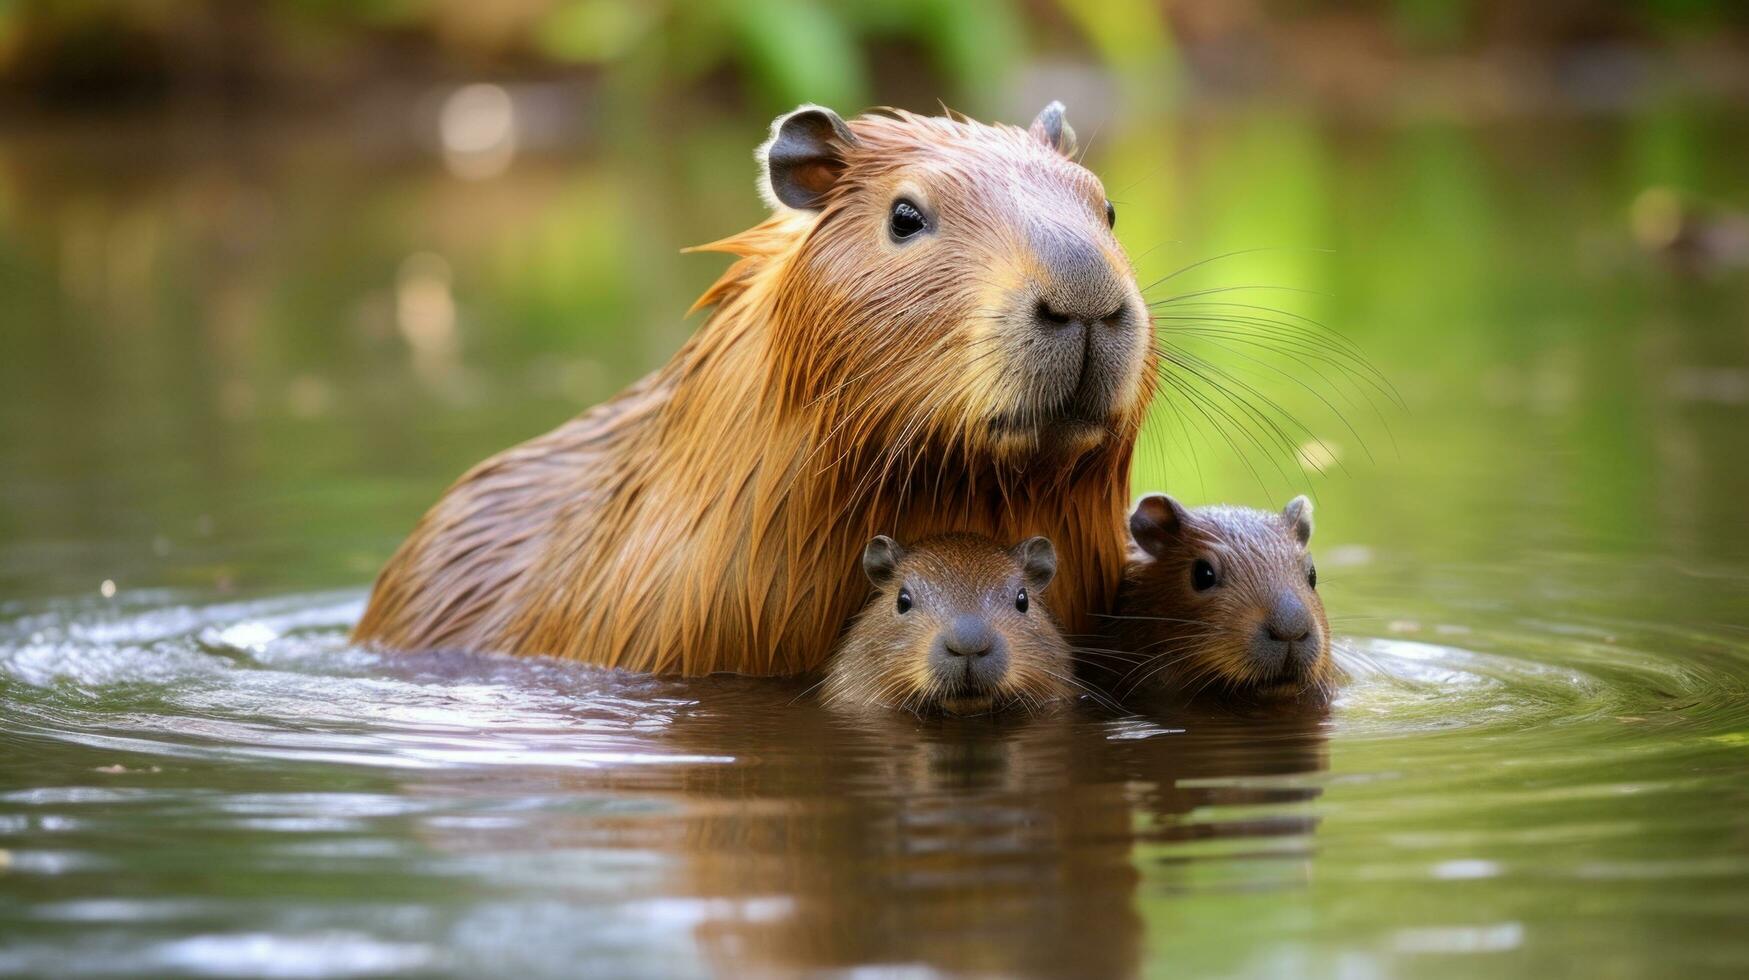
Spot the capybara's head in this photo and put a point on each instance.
(955, 284)
(957, 624)
(1225, 599)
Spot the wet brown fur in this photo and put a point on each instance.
(1192, 642)
(884, 658)
(709, 518)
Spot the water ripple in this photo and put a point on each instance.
(234, 790)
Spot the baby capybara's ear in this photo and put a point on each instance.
(880, 560)
(804, 157)
(1053, 130)
(1037, 559)
(1299, 517)
(1156, 522)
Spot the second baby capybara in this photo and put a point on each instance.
(1223, 600)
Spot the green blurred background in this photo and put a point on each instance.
(274, 273)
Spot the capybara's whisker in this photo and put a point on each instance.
(1216, 258)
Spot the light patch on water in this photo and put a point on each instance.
(1496, 938)
(246, 636)
(301, 825)
(1464, 870)
(56, 795)
(689, 913)
(120, 910)
(1136, 729)
(555, 757)
(277, 957)
(334, 804)
(43, 862)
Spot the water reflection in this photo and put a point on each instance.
(483, 813)
(837, 839)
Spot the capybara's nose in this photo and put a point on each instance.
(1078, 287)
(969, 653)
(1289, 620)
(1302, 654)
(968, 636)
(1049, 316)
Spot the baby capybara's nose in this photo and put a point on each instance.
(1289, 620)
(1284, 643)
(970, 654)
(1078, 287)
(968, 636)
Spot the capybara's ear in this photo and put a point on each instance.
(1054, 131)
(1156, 522)
(804, 157)
(1037, 559)
(880, 559)
(1299, 517)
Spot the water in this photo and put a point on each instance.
(238, 367)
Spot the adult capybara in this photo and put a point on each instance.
(934, 332)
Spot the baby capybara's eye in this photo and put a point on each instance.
(1312, 576)
(1020, 602)
(906, 220)
(1110, 215)
(904, 603)
(1202, 575)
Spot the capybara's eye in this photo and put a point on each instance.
(1020, 602)
(1202, 575)
(1110, 215)
(906, 220)
(1312, 576)
(904, 602)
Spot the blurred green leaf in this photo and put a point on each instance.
(1432, 22)
(977, 43)
(1125, 32)
(797, 52)
(594, 30)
